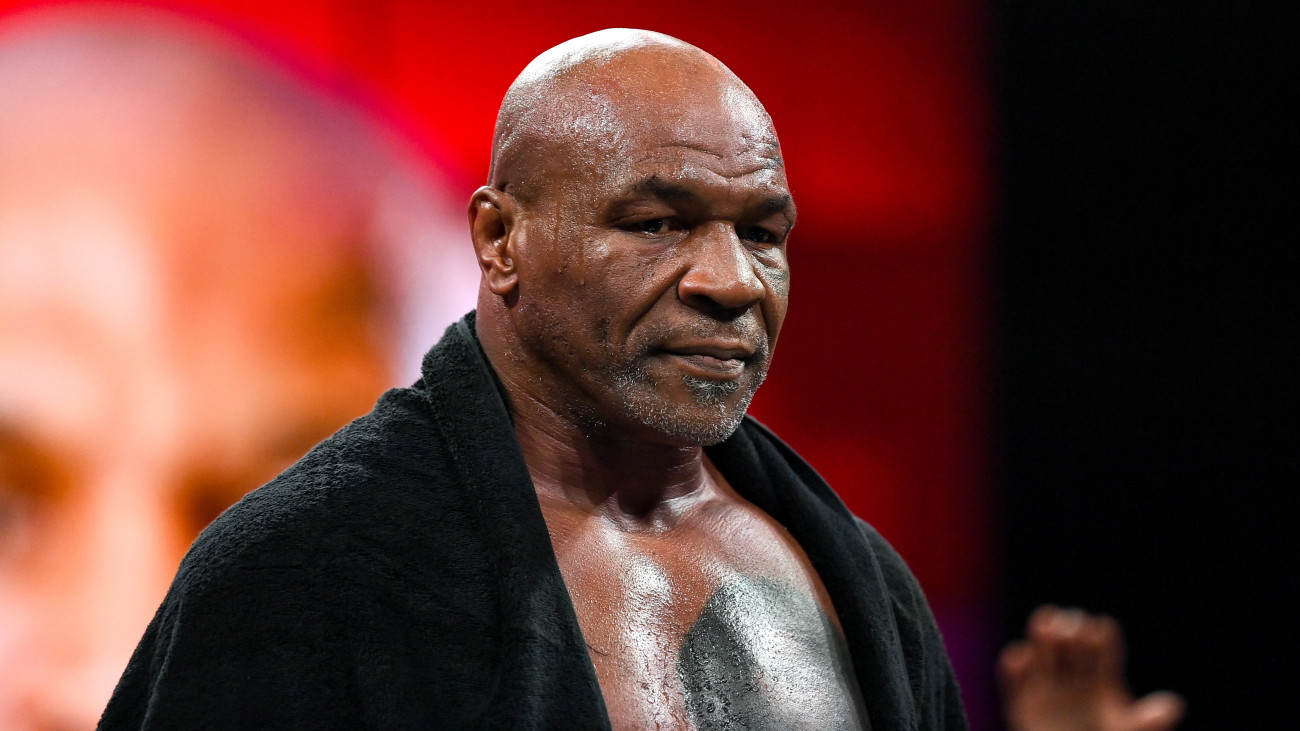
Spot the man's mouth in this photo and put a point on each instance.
(712, 360)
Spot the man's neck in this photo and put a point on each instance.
(636, 484)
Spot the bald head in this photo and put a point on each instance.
(637, 211)
(577, 104)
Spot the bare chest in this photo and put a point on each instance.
(700, 630)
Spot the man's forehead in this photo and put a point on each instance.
(665, 92)
(715, 128)
(620, 93)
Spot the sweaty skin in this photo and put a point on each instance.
(633, 248)
(756, 652)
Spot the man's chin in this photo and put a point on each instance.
(685, 409)
(710, 392)
(710, 414)
(689, 433)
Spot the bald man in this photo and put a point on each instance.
(568, 521)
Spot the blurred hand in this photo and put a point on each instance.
(1068, 675)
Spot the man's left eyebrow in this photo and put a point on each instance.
(783, 203)
(675, 192)
(664, 190)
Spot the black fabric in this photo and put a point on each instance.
(400, 575)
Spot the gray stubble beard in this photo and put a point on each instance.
(676, 420)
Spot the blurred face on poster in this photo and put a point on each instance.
(187, 304)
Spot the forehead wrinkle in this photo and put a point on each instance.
(688, 176)
(768, 158)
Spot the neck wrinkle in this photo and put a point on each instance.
(637, 485)
(634, 484)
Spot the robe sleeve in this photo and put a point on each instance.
(244, 648)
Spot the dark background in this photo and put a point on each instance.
(1146, 375)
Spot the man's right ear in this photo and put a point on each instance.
(491, 225)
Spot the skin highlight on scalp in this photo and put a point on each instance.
(567, 97)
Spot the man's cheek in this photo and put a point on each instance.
(778, 282)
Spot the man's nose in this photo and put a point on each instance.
(721, 274)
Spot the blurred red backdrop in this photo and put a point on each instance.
(884, 115)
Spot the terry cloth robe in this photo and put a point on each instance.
(400, 575)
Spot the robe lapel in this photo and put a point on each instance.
(548, 678)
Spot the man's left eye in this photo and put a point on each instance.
(653, 226)
(755, 235)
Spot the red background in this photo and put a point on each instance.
(884, 117)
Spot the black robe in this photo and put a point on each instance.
(400, 575)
